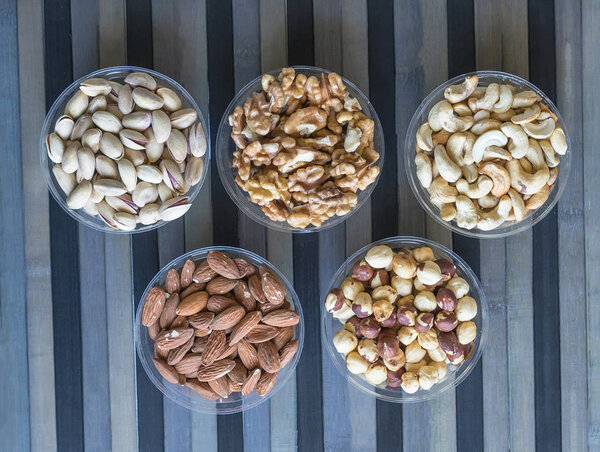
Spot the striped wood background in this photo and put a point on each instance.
(70, 379)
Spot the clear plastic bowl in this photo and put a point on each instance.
(456, 374)
(185, 396)
(116, 73)
(508, 227)
(225, 148)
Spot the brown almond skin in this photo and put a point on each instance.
(168, 372)
(267, 307)
(201, 320)
(153, 330)
(247, 324)
(203, 273)
(273, 289)
(215, 346)
(230, 352)
(266, 383)
(228, 318)
(246, 268)
(160, 353)
(223, 265)
(248, 354)
(281, 318)
(283, 337)
(261, 333)
(169, 312)
(172, 282)
(199, 344)
(220, 285)
(220, 386)
(153, 306)
(189, 364)
(216, 370)
(243, 295)
(202, 388)
(255, 286)
(179, 322)
(288, 351)
(239, 373)
(268, 358)
(175, 355)
(170, 339)
(251, 381)
(193, 287)
(187, 272)
(192, 304)
(218, 303)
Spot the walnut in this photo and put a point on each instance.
(258, 116)
(313, 91)
(275, 210)
(342, 169)
(266, 81)
(306, 179)
(287, 78)
(300, 217)
(305, 121)
(243, 165)
(276, 98)
(237, 123)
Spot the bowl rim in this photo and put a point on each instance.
(253, 210)
(501, 231)
(81, 216)
(482, 311)
(139, 330)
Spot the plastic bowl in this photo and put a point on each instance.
(456, 374)
(508, 227)
(185, 396)
(225, 148)
(117, 73)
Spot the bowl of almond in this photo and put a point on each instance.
(219, 330)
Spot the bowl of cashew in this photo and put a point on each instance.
(487, 154)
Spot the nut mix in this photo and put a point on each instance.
(303, 148)
(489, 155)
(214, 334)
(407, 318)
(127, 152)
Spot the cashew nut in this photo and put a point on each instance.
(546, 113)
(441, 137)
(495, 217)
(481, 115)
(466, 213)
(553, 175)
(539, 130)
(447, 168)
(526, 183)
(470, 172)
(505, 116)
(487, 102)
(458, 93)
(462, 109)
(519, 143)
(535, 155)
(424, 139)
(496, 152)
(539, 198)
(478, 189)
(483, 126)
(559, 141)
(441, 191)
(442, 116)
(459, 147)
(525, 99)
(434, 170)
(526, 164)
(499, 176)
(448, 212)
(424, 172)
(530, 113)
(489, 138)
(488, 202)
(506, 98)
(552, 158)
(518, 205)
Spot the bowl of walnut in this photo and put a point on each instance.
(299, 149)
(487, 154)
(219, 330)
(405, 319)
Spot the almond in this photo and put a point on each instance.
(172, 282)
(265, 383)
(203, 332)
(223, 265)
(170, 339)
(169, 311)
(179, 322)
(203, 273)
(218, 303)
(261, 333)
(239, 373)
(160, 353)
(233, 386)
(228, 318)
(255, 286)
(175, 355)
(283, 337)
(268, 358)
(202, 388)
(168, 372)
(267, 307)
(193, 303)
(201, 320)
(199, 344)
(193, 287)
(250, 382)
(187, 273)
(248, 322)
(216, 344)
(230, 352)
(189, 364)
(216, 370)
(288, 351)
(281, 318)
(274, 291)
(220, 386)
(247, 354)
(243, 295)
(153, 306)
(153, 330)
(246, 268)
(220, 285)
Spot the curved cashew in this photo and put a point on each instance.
(519, 143)
(495, 217)
(481, 115)
(518, 205)
(470, 172)
(496, 152)
(466, 213)
(526, 183)
(499, 176)
(434, 170)
(424, 172)
(546, 113)
(559, 141)
(442, 116)
(459, 147)
(539, 130)
(539, 198)
(447, 168)
(441, 191)
(462, 109)
(441, 137)
(424, 139)
(525, 99)
(506, 98)
(478, 189)
(552, 159)
(526, 164)
(479, 128)
(505, 116)
(489, 138)
(487, 102)
(529, 114)
(488, 201)
(535, 155)
(457, 93)
(448, 212)
(553, 175)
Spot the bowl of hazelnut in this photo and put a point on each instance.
(405, 319)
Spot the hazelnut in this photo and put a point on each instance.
(384, 293)
(466, 309)
(441, 368)
(428, 340)
(387, 344)
(345, 312)
(376, 373)
(355, 363)
(367, 348)
(403, 287)
(425, 301)
(380, 278)
(414, 352)
(382, 309)
(406, 301)
(351, 288)
(449, 343)
(394, 378)
(407, 334)
(423, 254)
(446, 299)
(414, 367)
(428, 376)
(352, 325)
(429, 273)
(410, 382)
(437, 354)
(424, 322)
(334, 300)
(369, 328)
(404, 265)
(362, 305)
(344, 341)
(447, 268)
(419, 286)
(380, 256)
(445, 321)
(459, 356)
(459, 286)
(466, 332)
(406, 315)
(362, 271)
(395, 363)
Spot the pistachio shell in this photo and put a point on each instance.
(146, 99)
(86, 161)
(138, 120)
(69, 160)
(134, 156)
(111, 146)
(197, 140)
(106, 167)
(55, 147)
(171, 175)
(107, 214)
(122, 203)
(95, 86)
(193, 170)
(91, 139)
(161, 125)
(144, 193)
(97, 103)
(125, 221)
(65, 180)
(114, 109)
(107, 121)
(149, 214)
(91, 207)
(77, 105)
(133, 139)
(154, 149)
(80, 195)
(149, 173)
(127, 173)
(183, 118)
(174, 208)
(125, 101)
(177, 145)
(171, 100)
(109, 187)
(113, 96)
(64, 126)
(83, 124)
(96, 197)
(165, 192)
(141, 79)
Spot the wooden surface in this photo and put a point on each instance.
(70, 377)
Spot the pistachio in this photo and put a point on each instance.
(134, 156)
(106, 167)
(64, 126)
(109, 187)
(193, 170)
(173, 208)
(165, 192)
(171, 175)
(171, 100)
(96, 197)
(69, 160)
(125, 101)
(107, 214)
(125, 221)
(154, 149)
(86, 163)
(95, 86)
(107, 121)
(65, 180)
(133, 139)
(146, 99)
(183, 118)
(144, 193)
(77, 105)
(122, 203)
(91, 207)
(141, 79)
(55, 147)
(177, 145)
(161, 125)
(113, 96)
(127, 173)
(149, 173)
(80, 195)
(114, 109)
(138, 120)
(91, 139)
(97, 103)
(111, 146)
(83, 124)
(149, 214)
(197, 140)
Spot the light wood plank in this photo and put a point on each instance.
(40, 344)
(273, 34)
(112, 24)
